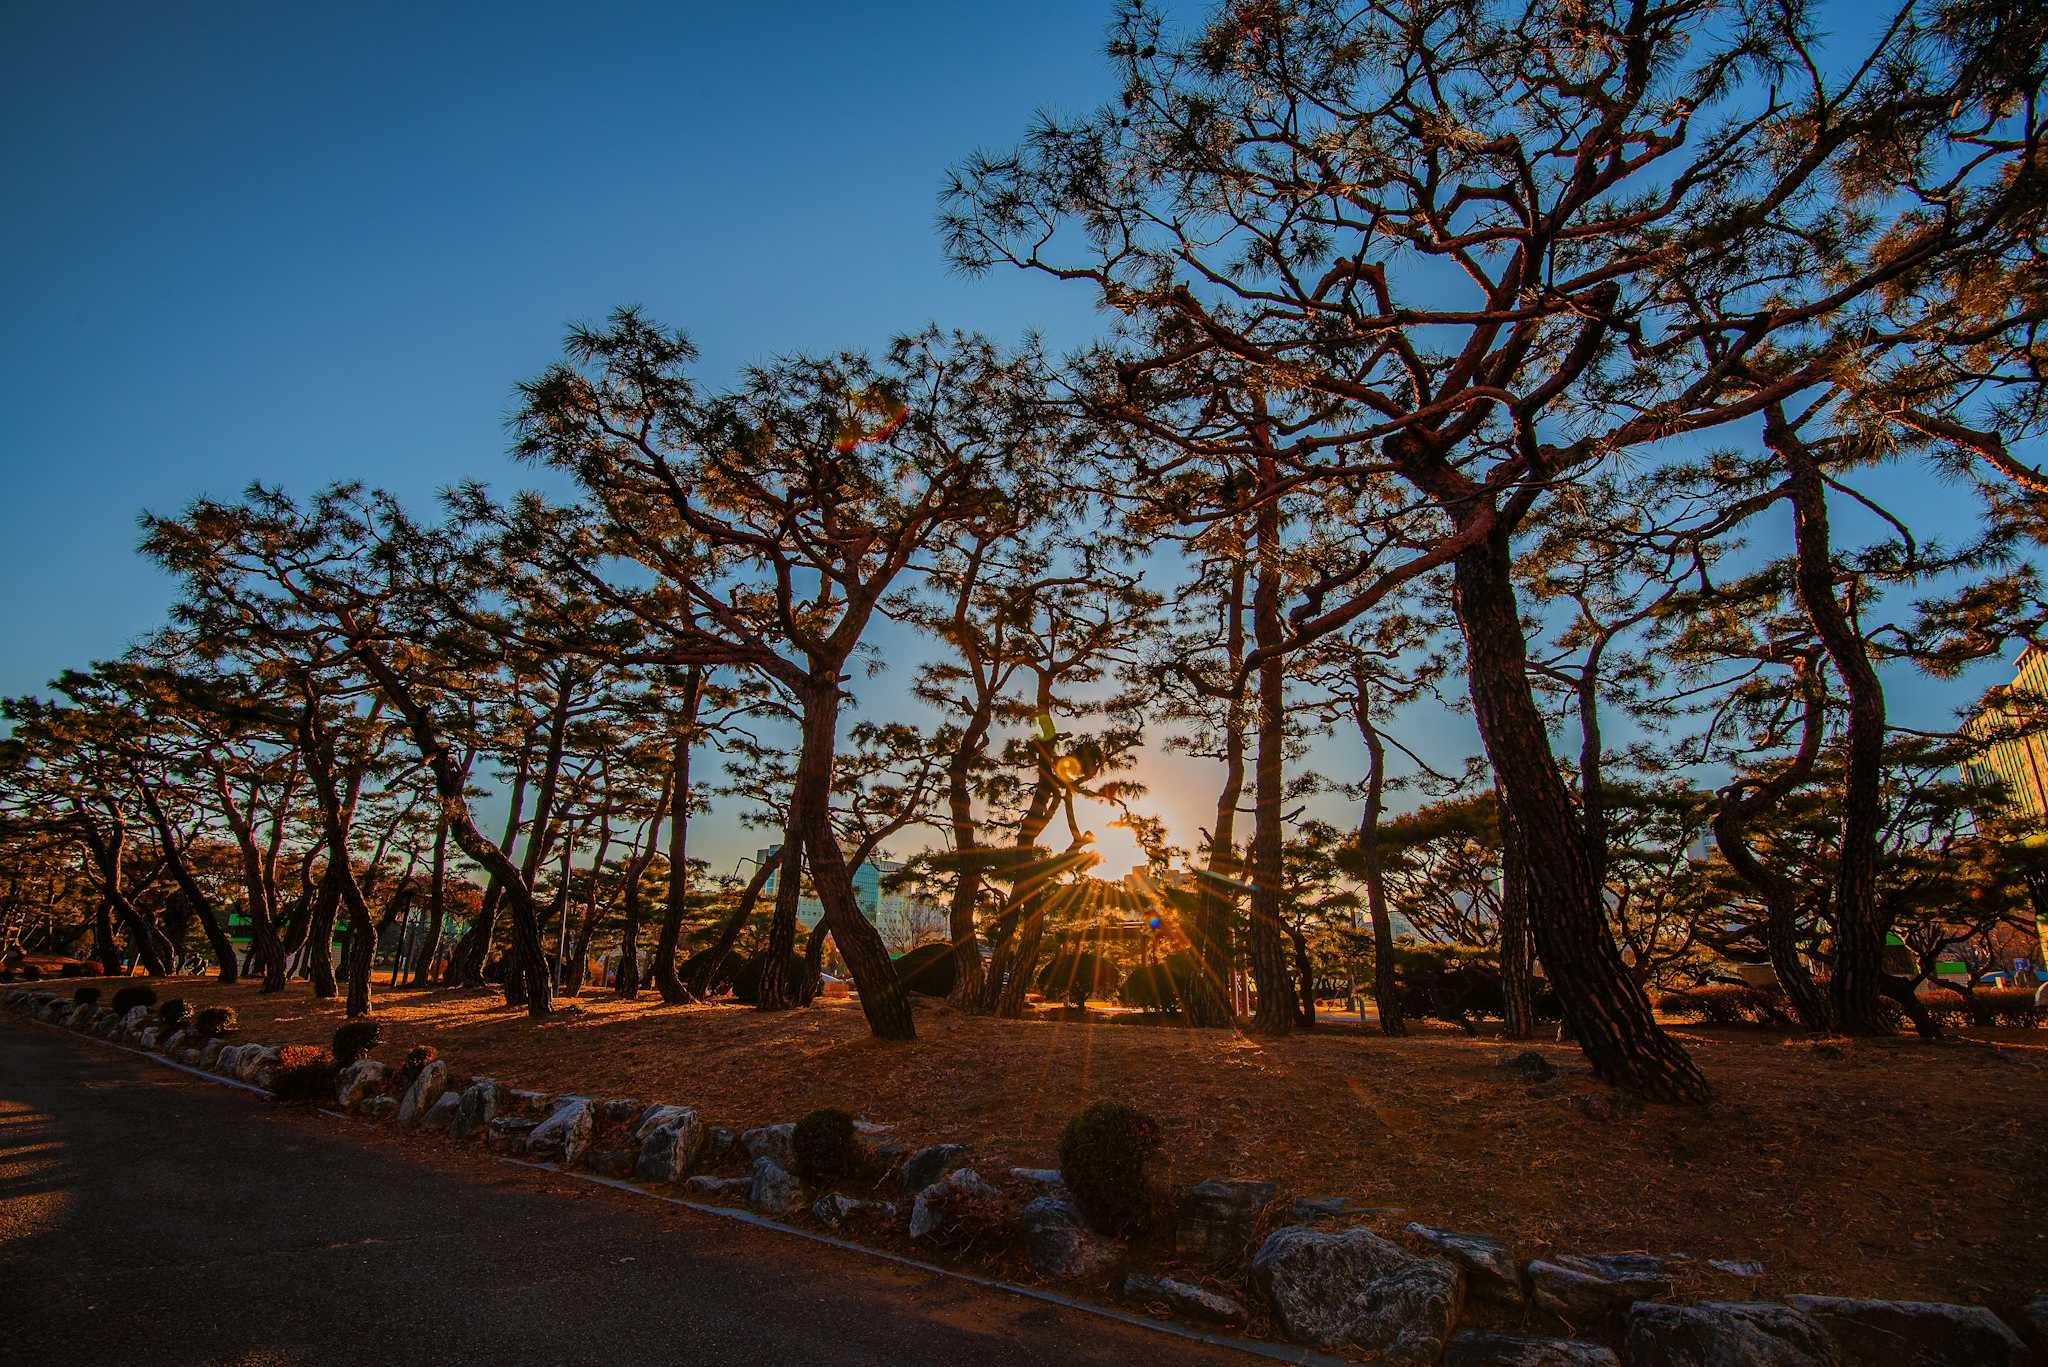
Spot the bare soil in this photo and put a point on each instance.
(1852, 1167)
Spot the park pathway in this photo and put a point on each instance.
(149, 1216)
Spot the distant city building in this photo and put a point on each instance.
(900, 917)
(2022, 761)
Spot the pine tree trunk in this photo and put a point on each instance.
(1386, 989)
(319, 948)
(967, 977)
(713, 959)
(1207, 1001)
(1860, 922)
(882, 999)
(1275, 1011)
(437, 908)
(677, 901)
(1604, 1009)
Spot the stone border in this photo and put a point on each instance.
(1327, 1288)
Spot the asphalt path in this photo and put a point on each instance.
(153, 1217)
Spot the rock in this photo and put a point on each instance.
(257, 1066)
(1527, 1066)
(224, 1062)
(1039, 1177)
(1184, 1298)
(1725, 1334)
(425, 1092)
(379, 1108)
(358, 1082)
(133, 1022)
(620, 1112)
(1913, 1333)
(614, 1163)
(1489, 1264)
(440, 1117)
(508, 1133)
(1059, 1243)
(718, 1142)
(564, 1135)
(772, 1141)
(670, 1139)
(836, 1210)
(479, 1107)
(522, 1102)
(706, 1186)
(960, 1204)
(774, 1190)
(1734, 1269)
(177, 1040)
(1480, 1348)
(1216, 1219)
(1584, 1288)
(1357, 1288)
(148, 1036)
(2033, 1319)
(928, 1165)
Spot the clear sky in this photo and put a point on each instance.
(305, 243)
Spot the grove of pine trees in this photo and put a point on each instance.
(1569, 366)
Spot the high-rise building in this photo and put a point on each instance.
(898, 916)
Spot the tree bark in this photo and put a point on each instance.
(665, 980)
(1517, 986)
(1604, 1009)
(1386, 990)
(1860, 923)
(882, 999)
(1208, 998)
(202, 905)
(1274, 1012)
(714, 958)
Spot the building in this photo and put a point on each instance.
(2022, 762)
(903, 919)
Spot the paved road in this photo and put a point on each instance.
(148, 1216)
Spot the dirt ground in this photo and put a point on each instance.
(1847, 1167)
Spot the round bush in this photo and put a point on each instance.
(172, 1013)
(929, 970)
(305, 1072)
(824, 1145)
(128, 998)
(215, 1020)
(416, 1060)
(1075, 977)
(1103, 1155)
(354, 1040)
(746, 980)
(85, 996)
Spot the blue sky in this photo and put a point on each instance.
(303, 243)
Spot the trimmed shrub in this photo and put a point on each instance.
(71, 968)
(171, 1014)
(354, 1040)
(1103, 1155)
(215, 1020)
(305, 1072)
(32, 973)
(1727, 1004)
(1075, 977)
(1159, 986)
(929, 970)
(824, 1145)
(85, 996)
(746, 980)
(1986, 1006)
(128, 998)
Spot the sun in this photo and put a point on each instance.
(1115, 846)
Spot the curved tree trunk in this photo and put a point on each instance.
(437, 908)
(174, 858)
(1604, 1009)
(1517, 986)
(1207, 1002)
(1860, 923)
(665, 980)
(713, 959)
(1386, 990)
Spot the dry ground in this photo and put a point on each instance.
(1861, 1167)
